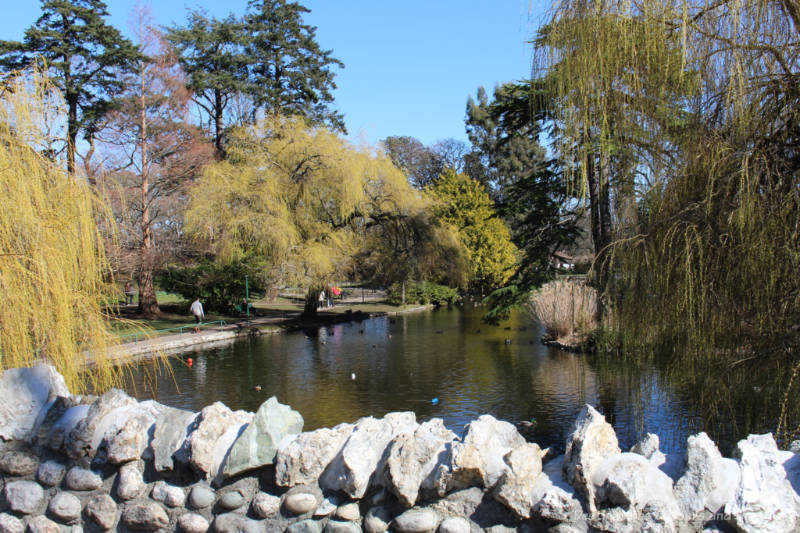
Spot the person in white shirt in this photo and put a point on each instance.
(197, 311)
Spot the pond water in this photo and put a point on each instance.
(439, 363)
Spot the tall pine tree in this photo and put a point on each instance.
(84, 56)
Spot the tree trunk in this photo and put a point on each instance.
(148, 303)
(72, 131)
(218, 121)
(312, 302)
(403, 297)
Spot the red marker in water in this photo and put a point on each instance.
(189, 361)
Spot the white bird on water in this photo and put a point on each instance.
(353, 376)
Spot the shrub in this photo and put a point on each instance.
(567, 309)
(219, 286)
(424, 293)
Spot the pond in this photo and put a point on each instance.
(442, 363)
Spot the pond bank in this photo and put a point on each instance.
(115, 463)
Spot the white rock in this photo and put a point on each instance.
(300, 502)
(301, 459)
(208, 445)
(327, 507)
(414, 460)
(169, 495)
(66, 507)
(648, 448)
(32, 389)
(106, 416)
(708, 482)
(349, 512)
(130, 483)
(592, 441)
(515, 488)
(42, 524)
(553, 498)
(23, 496)
(83, 479)
(266, 505)
(11, 524)
(65, 425)
(377, 519)
(416, 521)
(132, 438)
(454, 524)
(764, 500)
(192, 523)
(479, 459)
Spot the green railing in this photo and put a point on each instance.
(179, 329)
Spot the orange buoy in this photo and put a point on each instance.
(189, 361)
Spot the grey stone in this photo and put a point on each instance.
(192, 523)
(107, 414)
(60, 430)
(327, 507)
(233, 499)
(708, 482)
(515, 488)
(216, 429)
(148, 516)
(592, 441)
(454, 524)
(18, 464)
(168, 494)
(348, 512)
(82, 479)
(11, 524)
(50, 473)
(266, 505)
(23, 496)
(258, 443)
(171, 428)
(414, 459)
(353, 468)
(764, 499)
(129, 481)
(42, 524)
(32, 389)
(201, 497)
(416, 521)
(555, 499)
(103, 510)
(648, 448)
(336, 526)
(377, 519)
(461, 502)
(300, 460)
(300, 502)
(131, 440)
(235, 523)
(66, 507)
(305, 526)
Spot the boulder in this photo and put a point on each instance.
(133, 437)
(478, 459)
(553, 498)
(66, 423)
(24, 497)
(708, 482)
(417, 521)
(354, 466)
(106, 415)
(148, 516)
(216, 429)
(414, 460)
(171, 428)
(648, 448)
(50, 473)
(130, 483)
(258, 443)
(592, 441)
(515, 488)
(66, 507)
(32, 390)
(764, 499)
(300, 460)
(102, 510)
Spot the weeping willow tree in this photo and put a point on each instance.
(53, 271)
(304, 201)
(684, 116)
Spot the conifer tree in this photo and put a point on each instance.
(84, 56)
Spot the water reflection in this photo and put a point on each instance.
(403, 363)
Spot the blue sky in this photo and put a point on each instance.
(409, 65)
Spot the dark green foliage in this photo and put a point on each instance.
(84, 56)
(219, 286)
(421, 164)
(424, 293)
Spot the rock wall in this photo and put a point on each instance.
(80, 463)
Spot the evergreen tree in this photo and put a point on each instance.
(84, 56)
(289, 74)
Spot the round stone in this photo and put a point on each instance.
(103, 510)
(11, 524)
(50, 473)
(42, 524)
(148, 516)
(24, 496)
(266, 505)
(235, 523)
(300, 502)
(416, 521)
(170, 495)
(327, 507)
(231, 500)
(454, 524)
(201, 497)
(18, 463)
(377, 520)
(305, 526)
(336, 526)
(65, 507)
(192, 523)
(83, 479)
(130, 483)
(349, 512)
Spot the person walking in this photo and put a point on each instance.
(197, 310)
(128, 293)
